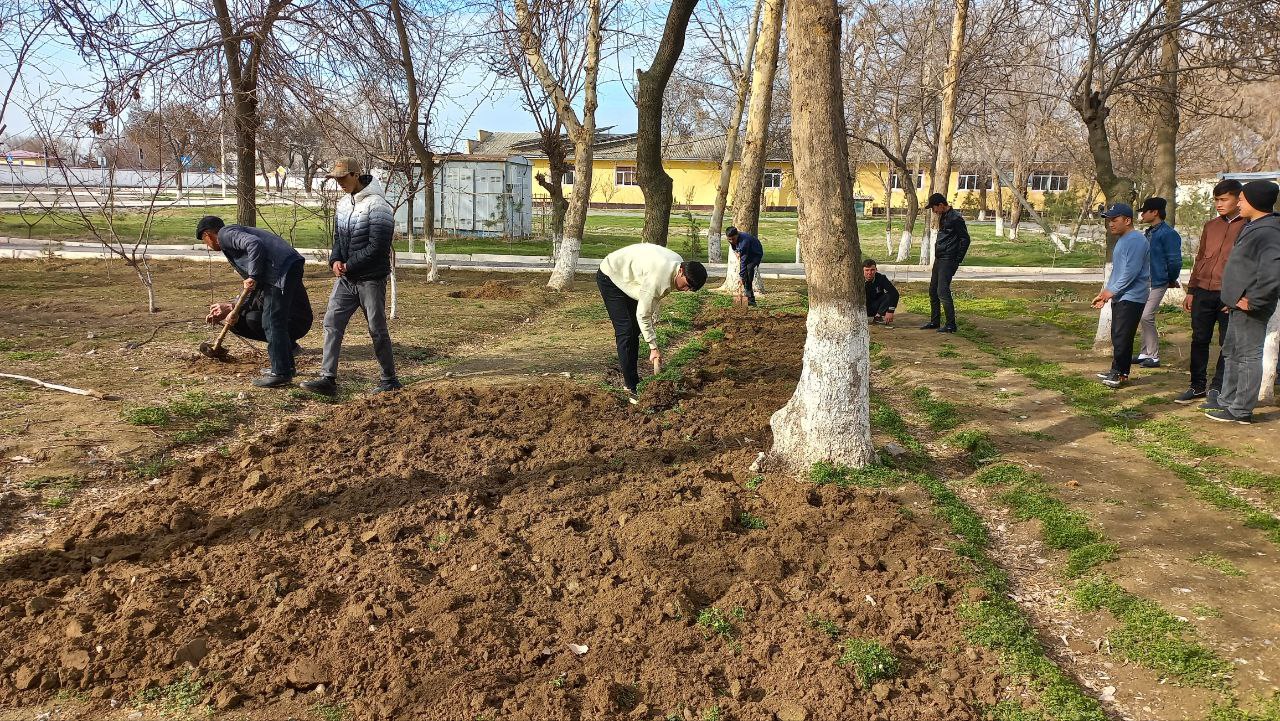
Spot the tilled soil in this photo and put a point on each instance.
(449, 552)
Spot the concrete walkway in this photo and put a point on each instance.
(17, 248)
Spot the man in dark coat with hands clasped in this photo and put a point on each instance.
(948, 254)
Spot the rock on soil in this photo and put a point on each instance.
(432, 555)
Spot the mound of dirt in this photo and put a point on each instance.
(538, 551)
(491, 290)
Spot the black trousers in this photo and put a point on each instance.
(747, 274)
(626, 329)
(1125, 316)
(249, 324)
(944, 269)
(879, 306)
(276, 303)
(1206, 312)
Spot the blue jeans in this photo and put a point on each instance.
(1243, 351)
(747, 273)
(276, 304)
(348, 297)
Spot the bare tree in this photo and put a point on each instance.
(950, 92)
(651, 86)
(827, 418)
(581, 131)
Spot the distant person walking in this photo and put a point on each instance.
(1250, 289)
(632, 281)
(272, 268)
(1165, 248)
(361, 261)
(948, 254)
(1126, 290)
(882, 297)
(750, 254)
(1204, 301)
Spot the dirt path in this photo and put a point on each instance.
(1159, 524)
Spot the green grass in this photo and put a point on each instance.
(180, 697)
(330, 711)
(1218, 563)
(829, 627)
(885, 418)
(939, 414)
(977, 445)
(19, 356)
(1265, 710)
(1153, 637)
(754, 482)
(948, 351)
(750, 522)
(870, 660)
(873, 476)
(56, 491)
(716, 622)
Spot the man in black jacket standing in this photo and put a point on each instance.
(882, 297)
(948, 253)
(1250, 290)
(361, 261)
(272, 268)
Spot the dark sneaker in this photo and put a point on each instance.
(1189, 396)
(1100, 376)
(390, 386)
(1211, 402)
(1114, 380)
(272, 381)
(947, 329)
(1223, 415)
(931, 326)
(1149, 363)
(877, 320)
(1137, 360)
(324, 385)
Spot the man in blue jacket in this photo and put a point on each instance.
(1165, 247)
(750, 254)
(1251, 291)
(270, 266)
(1126, 290)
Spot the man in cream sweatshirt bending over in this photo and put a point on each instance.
(632, 280)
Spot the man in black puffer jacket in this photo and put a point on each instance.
(1250, 291)
(361, 261)
(948, 254)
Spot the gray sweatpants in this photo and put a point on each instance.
(1150, 336)
(1242, 377)
(347, 296)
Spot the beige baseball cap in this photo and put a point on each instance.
(344, 166)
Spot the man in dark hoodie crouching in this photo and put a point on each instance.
(1250, 289)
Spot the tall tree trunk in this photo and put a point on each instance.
(581, 132)
(995, 177)
(553, 148)
(1165, 168)
(716, 226)
(827, 418)
(1019, 186)
(746, 202)
(950, 79)
(655, 184)
(913, 213)
(417, 129)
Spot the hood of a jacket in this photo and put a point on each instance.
(1267, 221)
(371, 189)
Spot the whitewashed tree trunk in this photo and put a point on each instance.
(904, 246)
(999, 224)
(1270, 356)
(827, 419)
(395, 296)
(1102, 338)
(433, 268)
(732, 283)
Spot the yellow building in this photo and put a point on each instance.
(24, 157)
(694, 167)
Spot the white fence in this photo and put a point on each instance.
(31, 176)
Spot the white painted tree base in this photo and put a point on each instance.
(1270, 355)
(904, 246)
(1102, 339)
(831, 399)
(566, 264)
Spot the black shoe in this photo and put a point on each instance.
(751, 304)
(931, 326)
(1137, 360)
(876, 320)
(272, 381)
(390, 386)
(1189, 396)
(1211, 401)
(947, 329)
(324, 385)
(1223, 415)
(1114, 380)
(1104, 374)
(1149, 363)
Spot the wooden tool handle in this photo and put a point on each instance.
(231, 318)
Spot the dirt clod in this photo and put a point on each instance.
(491, 290)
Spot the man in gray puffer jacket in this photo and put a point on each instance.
(361, 261)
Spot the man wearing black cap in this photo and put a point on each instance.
(750, 254)
(948, 253)
(632, 281)
(1250, 289)
(1165, 250)
(270, 266)
(1126, 290)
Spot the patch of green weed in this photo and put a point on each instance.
(330, 711)
(750, 522)
(976, 444)
(941, 415)
(180, 697)
(826, 626)
(870, 660)
(1218, 563)
(871, 476)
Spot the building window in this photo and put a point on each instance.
(973, 180)
(1052, 181)
(625, 175)
(895, 182)
(567, 178)
(772, 178)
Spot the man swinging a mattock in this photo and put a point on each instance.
(632, 281)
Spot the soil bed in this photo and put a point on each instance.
(448, 552)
